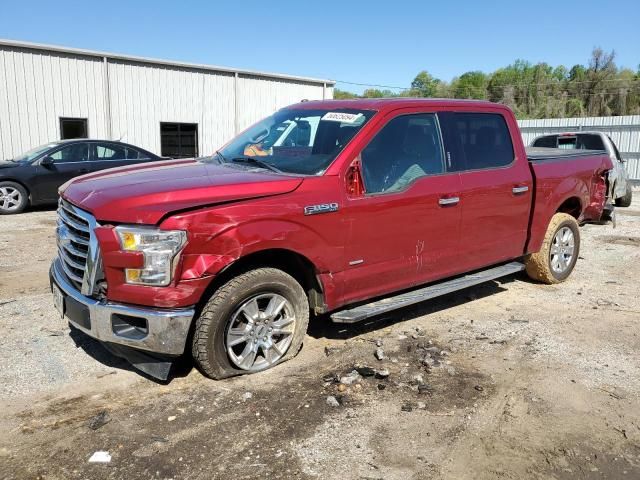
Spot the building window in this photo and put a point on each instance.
(73, 128)
(179, 140)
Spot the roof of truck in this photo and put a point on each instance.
(393, 103)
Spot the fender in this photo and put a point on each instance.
(252, 237)
(549, 197)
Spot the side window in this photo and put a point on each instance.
(133, 154)
(109, 151)
(407, 148)
(477, 141)
(590, 142)
(78, 152)
(550, 141)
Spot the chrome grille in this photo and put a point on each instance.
(77, 247)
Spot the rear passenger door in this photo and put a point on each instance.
(496, 187)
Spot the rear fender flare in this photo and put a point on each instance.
(568, 188)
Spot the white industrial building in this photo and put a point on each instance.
(170, 108)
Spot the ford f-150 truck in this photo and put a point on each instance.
(385, 204)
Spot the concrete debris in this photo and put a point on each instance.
(350, 378)
(407, 407)
(99, 420)
(379, 354)
(332, 401)
(331, 378)
(100, 457)
(328, 351)
(425, 389)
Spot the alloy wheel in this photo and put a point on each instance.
(260, 332)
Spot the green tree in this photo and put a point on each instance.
(343, 94)
(470, 85)
(424, 85)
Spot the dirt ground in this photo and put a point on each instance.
(520, 380)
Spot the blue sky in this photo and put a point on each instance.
(370, 42)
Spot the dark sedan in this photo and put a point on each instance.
(33, 178)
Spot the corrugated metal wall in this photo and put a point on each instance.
(624, 130)
(258, 97)
(32, 99)
(127, 98)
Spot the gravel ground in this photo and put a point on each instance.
(535, 382)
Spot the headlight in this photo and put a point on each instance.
(159, 248)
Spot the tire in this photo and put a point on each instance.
(625, 201)
(227, 313)
(547, 266)
(14, 198)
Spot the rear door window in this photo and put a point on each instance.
(406, 149)
(476, 141)
(590, 142)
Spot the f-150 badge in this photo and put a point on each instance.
(321, 208)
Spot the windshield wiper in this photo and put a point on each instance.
(218, 153)
(258, 162)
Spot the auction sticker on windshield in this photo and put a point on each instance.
(342, 117)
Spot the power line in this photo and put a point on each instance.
(504, 85)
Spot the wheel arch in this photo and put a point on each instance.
(572, 206)
(19, 182)
(289, 261)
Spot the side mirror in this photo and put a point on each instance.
(355, 185)
(46, 162)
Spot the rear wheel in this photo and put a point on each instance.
(560, 249)
(253, 322)
(13, 198)
(626, 200)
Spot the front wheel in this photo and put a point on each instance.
(13, 198)
(253, 322)
(559, 253)
(625, 201)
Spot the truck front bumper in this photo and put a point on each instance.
(156, 330)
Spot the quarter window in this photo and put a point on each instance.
(477, 140)
(109, 151)
(407, 148)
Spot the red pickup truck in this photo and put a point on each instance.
(351, 208)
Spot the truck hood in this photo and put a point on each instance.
(146, 193)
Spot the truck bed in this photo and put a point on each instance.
(538, 154)
(569, 178)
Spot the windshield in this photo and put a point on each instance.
(296, 141)
(34, 153)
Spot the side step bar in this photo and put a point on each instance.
(362, 312)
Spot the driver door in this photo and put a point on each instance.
(404, 230)
(68, 162)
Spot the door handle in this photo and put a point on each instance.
(520, 189)
(83, 170)
(449, 201)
